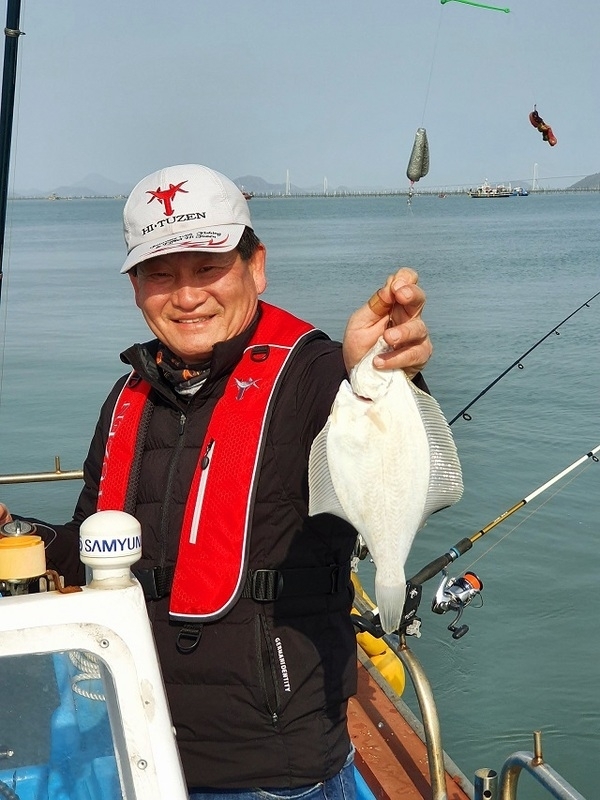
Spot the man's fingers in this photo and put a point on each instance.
(410, 298)
(379, 306)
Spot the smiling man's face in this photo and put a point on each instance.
(191, 301)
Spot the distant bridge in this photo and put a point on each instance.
(405, 192)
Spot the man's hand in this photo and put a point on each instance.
(393, 312)
(5, 515)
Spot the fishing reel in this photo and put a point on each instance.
(454, 594)
(22, 557)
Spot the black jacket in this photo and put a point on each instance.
(261, 702)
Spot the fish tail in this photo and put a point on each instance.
(390, 603)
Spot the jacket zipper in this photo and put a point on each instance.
(204, 469)
(266, 668)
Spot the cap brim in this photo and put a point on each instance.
(219, 239)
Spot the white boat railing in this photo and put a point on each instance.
(486, 785)
(81, 665)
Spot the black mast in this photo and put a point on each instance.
(9, 78)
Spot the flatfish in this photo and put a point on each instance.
(385, 461)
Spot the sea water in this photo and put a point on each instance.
(499, 274)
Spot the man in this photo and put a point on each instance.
(206, 442)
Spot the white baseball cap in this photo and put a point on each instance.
(183, 208)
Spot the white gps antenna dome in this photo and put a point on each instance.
(109, 543)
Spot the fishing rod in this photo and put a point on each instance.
(9, 78)
(438, 564)
(454, 594)
(463, 412)
(478, 5)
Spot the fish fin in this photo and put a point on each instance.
(445, 473)
(322, 497)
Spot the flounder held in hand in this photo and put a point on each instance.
(384, 461)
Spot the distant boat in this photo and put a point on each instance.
(518, 191)
(487, 190)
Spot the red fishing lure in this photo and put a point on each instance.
(545, 130)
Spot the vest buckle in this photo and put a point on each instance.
(156, 582)
(188, 638)
(266, 585)
(260, 352)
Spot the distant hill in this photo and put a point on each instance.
(589, 182)
(95, 185)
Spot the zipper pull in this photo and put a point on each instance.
(182, 419)
(205, 459)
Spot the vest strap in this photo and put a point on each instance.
(156, 582)
(268, 585)
(262, 585)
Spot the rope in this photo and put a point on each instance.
(7, 792)
(88, 664)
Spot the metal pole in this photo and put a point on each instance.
(9, 77)
(431, 722)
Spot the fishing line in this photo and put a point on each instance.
(48, 527)
(533, 511)
(418, 163)
(462, 547)
(462, 413)
(435, 44)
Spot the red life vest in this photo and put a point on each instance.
(214, 540)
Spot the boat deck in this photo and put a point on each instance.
(390, 755)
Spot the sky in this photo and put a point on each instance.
(326, 89)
